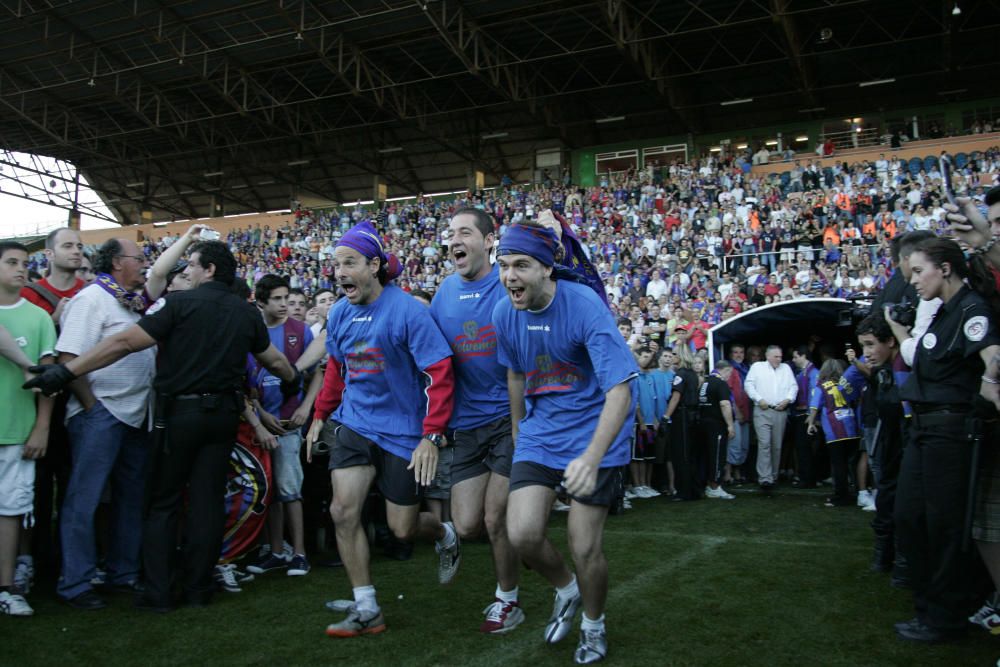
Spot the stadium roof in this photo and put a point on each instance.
(178, 105)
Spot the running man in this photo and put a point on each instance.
(480, 471)
(395, 408)
(572, 395)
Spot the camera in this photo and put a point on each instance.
(904, 312)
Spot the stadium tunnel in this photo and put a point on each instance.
(787, 323)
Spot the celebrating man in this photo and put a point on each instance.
(571, 392)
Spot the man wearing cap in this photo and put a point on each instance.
(395, 407)
(570, 379)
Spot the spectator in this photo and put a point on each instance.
(771, 386)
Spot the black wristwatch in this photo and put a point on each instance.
(435, 439)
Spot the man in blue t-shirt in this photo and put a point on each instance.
(282, 417)
(397, 400)
(570, 378)
(483, 446)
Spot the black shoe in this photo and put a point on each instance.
(87, 601)
(334, 561)
(882, 554)
(144, 603)
(919, 632)
(132, 587)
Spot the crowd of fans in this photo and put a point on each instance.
(678, 248)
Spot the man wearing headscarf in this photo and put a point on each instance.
(570, 384)
(396, 366)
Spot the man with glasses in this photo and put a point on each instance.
(108, 419)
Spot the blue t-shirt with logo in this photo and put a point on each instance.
(269, 385)
(384, 347)
(464, 312)
(571, 354)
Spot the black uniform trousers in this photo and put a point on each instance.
(683, 452)
(714, 439)
(805, 448)
(192, 458)
(930, 518)
(889, 452)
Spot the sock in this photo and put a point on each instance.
(26, 558)
(506, 596)
(450, 536)
(570, 590)
(364, 598)
(587, 624)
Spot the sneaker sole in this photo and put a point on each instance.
(257, 570)
(503, 630)
(344, 634)
(298, 573)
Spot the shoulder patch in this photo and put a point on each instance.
(678, 380)
(157, 305)
(975, 329)
(929, 340)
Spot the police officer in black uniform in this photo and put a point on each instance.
(931, 500)
(205, 335)
(715, 407)
(682, 416)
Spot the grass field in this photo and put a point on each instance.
(755, 581)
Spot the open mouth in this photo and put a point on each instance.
(459, 255)
(516, 294)
(350, 289)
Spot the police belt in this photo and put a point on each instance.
(941, 408)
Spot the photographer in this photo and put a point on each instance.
(933, 480)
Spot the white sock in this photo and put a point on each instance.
(587, 624)
(26, 558)
(364, 598)
(570, 590)
(506, 596)
(450, 536)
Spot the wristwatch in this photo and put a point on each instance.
(435, 439)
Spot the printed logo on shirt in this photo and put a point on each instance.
(539, 327)
(550, 376)
(474, 341)
(364, 359)
(975, 329)
(362, 319)
(463, 297)
(21, 341)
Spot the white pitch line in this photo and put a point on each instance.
(733, 540)
(510, 651)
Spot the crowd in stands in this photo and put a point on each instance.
(679, 248)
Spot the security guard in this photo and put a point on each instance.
(204, 334)
(931, 500)
(682, 415)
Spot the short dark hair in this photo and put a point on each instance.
(484, 221)
(240, 288)
(421, 294)
(905, 243)
(50, 239)
(12, 245)
(625, 321)
(323, 290)
(217, 253)
(104, 257)
(992, 196)
(296, 290)
(875, 325)
(266, 285)
(801, 350)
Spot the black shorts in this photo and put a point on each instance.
(644, 443)
(488, 448)
(396, 484)
(610, 481)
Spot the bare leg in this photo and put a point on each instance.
(408, 523)
(586, 531)
(468, 499)
(296, 528)
(8, 548)
(350, 488)
(505, 561)
(527, 521)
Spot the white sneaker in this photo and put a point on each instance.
(14, 605)
(626, 503)
(448, 557)
(560, 506)
(864, 498)
(563, 613)
(651, 492)
(24, 575)
(632, 492)
(719, 493)
(501, 617)
(225, 578)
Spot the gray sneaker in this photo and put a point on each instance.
(563, 613)
(358, 623)
(448, 557)
(593, 647)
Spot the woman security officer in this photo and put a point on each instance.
(934, 477)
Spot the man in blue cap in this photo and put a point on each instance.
(570, 384)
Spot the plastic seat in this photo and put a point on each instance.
(961, 159)
(930, 162)
(915, 164)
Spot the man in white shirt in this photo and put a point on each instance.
(771, 386)
(657, 286)
(107, 419)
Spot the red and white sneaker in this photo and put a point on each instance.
(502, 617)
